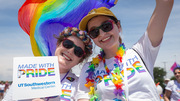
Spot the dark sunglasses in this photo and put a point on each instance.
(177, 73)
(78, 51)
(106, 27)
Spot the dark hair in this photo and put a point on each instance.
(114, 19)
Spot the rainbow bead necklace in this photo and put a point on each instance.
(115, 77)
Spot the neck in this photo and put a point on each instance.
(63, 71)
(111, 52)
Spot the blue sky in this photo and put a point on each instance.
(134, 16)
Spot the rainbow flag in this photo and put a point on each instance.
(42, 19)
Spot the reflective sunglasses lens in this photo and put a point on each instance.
(78, 52)
(68, 44)
(94, 33)
(107, 26)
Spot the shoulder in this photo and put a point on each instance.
(144, 43)
(131, 53)
(171, 83)
(130, 50)
(75, 76)
(86, 66)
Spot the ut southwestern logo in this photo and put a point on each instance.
(35, 70)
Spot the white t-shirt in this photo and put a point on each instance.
(2, 86)
(139, 86)
(68, 86)
(174, 87)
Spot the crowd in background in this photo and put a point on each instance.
(4, 86)
(171, 91)
(161, 90)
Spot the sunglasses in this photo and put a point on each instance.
(177, 73)
(78, 51)
(106, 27)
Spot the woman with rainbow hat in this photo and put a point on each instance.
(117, 74)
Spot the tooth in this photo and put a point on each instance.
(106, 39)
(66, 57)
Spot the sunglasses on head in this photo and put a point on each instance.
(106, 27)
(78, 51)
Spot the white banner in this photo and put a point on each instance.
(35, 77)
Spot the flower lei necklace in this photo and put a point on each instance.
(115, 77)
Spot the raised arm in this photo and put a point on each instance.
(159, 20)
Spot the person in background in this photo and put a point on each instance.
(2, 86)
(166, 80)
(73, 47)
(172, 92)
(117, 74)
(6, 86)
(160, 91)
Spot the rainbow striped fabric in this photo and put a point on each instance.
(42, 19)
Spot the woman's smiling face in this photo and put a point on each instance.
(105, 40)
(177, 74)
(66, 57)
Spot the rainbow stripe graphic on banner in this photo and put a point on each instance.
(42, 72)
(42, 19)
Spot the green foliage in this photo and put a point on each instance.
(173, 78)
(159, 74)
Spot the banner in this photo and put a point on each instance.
(35, 77)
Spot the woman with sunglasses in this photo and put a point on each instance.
(73, 46)
(117, 74)
(172, 90)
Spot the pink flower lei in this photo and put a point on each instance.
(114, 77)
